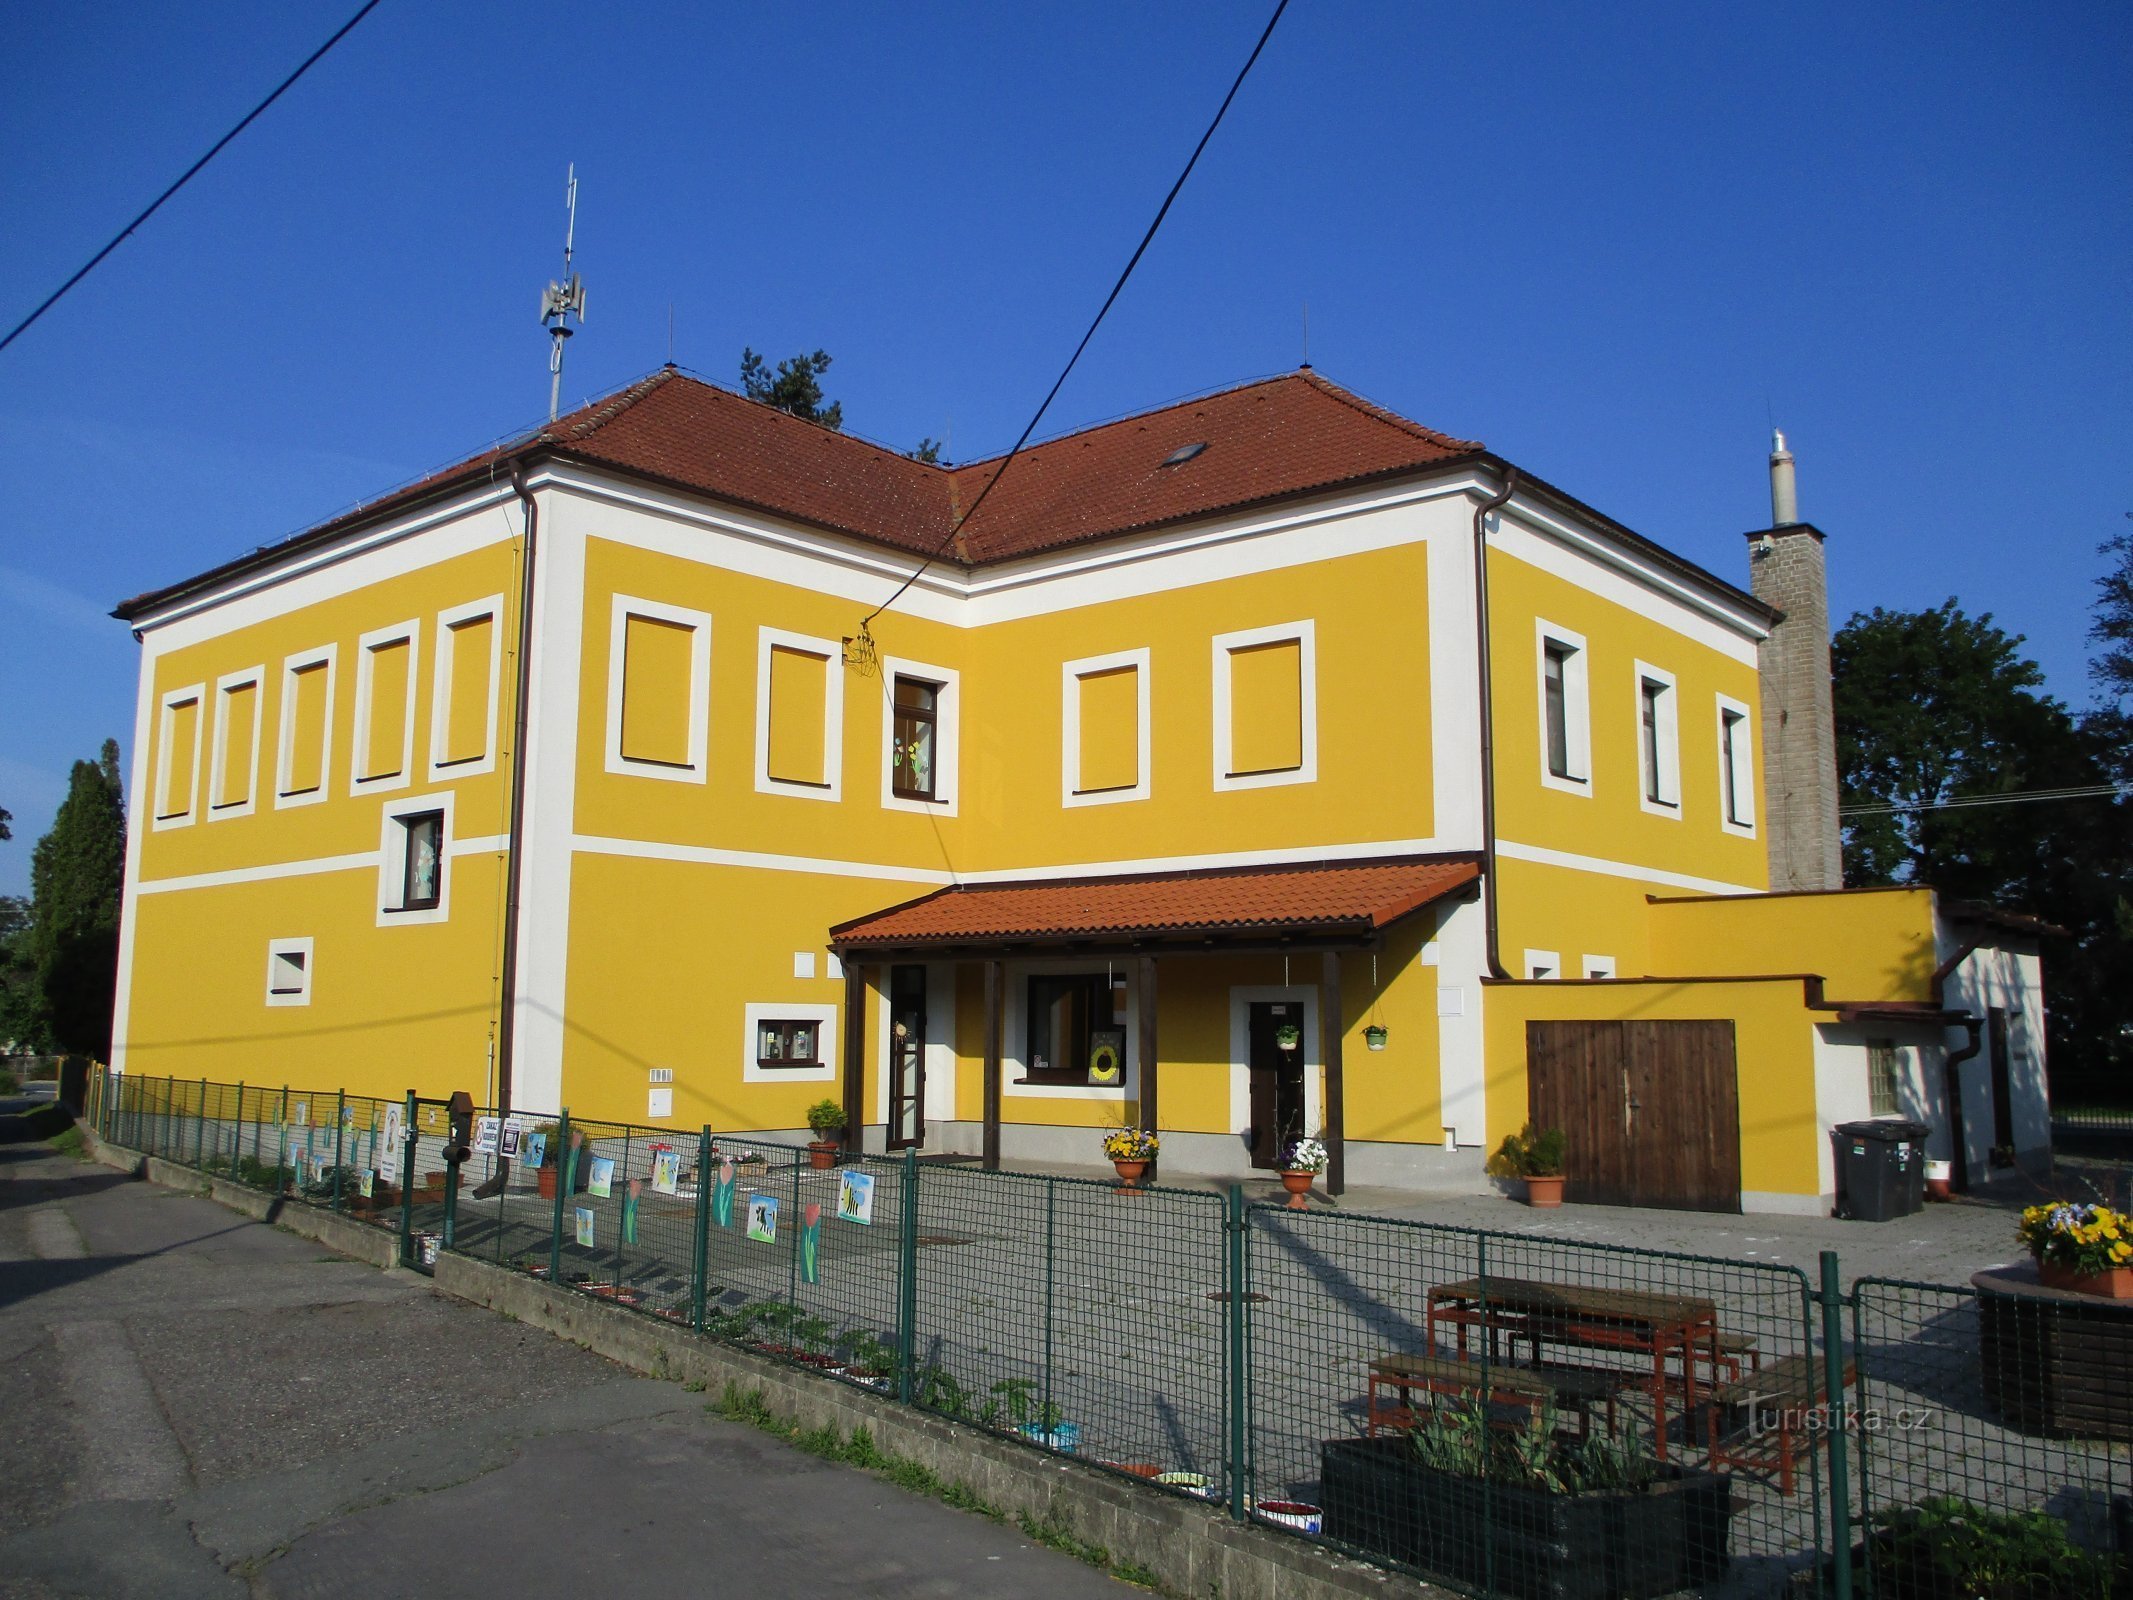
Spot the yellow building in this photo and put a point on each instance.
(1261, 765)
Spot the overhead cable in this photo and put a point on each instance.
(2016, 797)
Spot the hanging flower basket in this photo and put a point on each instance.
(1288, 1036)
(1374, 1036)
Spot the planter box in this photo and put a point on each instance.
(2115, 1283)
(1599, 1546)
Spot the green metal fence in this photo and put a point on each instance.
(1506, 1414)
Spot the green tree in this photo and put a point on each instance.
(21, 1013)
(77, 874)
(928, 451)
(2112, 670)
(796, 386)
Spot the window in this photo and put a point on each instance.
(658, 690)
(421, 861)
(1543, 964)
(1882, 1077)
(178, 757)
(783, 1042)
(236, 759)
(463, 695)
(918, 737)
(385, 709)
(799, 712)
(1066, 1019)
(414, 869)
(1736, 768)
(1658, 741)
(1266, 706)
(306, 727)
(1104, 746)
(288, 972)
(1599, 966)
(1565, 728)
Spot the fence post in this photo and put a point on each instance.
(1233, 1281)
(1051, 1233)
(700, 1252)
(555, 1239)
(281, 1139)
(237, 1134)
(792, 1258)
(1840, 1495)
(340, 1139)
(451, 1202)
(907, 1276)
(200, 1131)
(407, 1180)
(1488, 1482)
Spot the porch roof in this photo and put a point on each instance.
(1322, 904)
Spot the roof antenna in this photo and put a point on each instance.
(563, 300)
(1307, 336)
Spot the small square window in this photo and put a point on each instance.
(289, 972)
(786, 1043)
(422, 861)
(1882, 1078)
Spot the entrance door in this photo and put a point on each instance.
(1277, 1077)
(2002, 1080)
(1650, 1110)
(907, 1057)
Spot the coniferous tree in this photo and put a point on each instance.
(796, 387)
(77, 873)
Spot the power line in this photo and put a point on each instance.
(2017, 797)
(186, 177)
(1147, 239)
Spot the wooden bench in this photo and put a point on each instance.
(1394, 1378)
(1768, 1418)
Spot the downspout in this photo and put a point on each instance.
(1952, 1067)
(514, 845)
(1488, 717)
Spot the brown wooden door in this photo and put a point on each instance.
(1651, 1110)
(1277, 1079)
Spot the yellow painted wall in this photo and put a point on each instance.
(1867, 944)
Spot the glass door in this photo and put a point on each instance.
(907, 1057)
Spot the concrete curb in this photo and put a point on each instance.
(1192, 1548)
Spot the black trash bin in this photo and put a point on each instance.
(1881, 1169)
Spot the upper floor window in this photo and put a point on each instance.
(1566, 738)
(414, 868)
(1736, 767)
(658, 690)
(178, 756)
(421, 861)
(300, 771)
(236, 749)
(1658, 741)
(1266, 706)
(385, 709)
(464, 692)
(912, 758)
(1104, 729)
(799, 715)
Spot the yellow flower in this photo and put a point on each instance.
(2121, 1250)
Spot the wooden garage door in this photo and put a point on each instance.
(1651, 1110)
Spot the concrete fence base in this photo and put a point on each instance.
(1190, 1547)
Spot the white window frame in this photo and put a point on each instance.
(1577, 706)
(621, 609)
(755, 1013)
(443, 667)
(1070, 675)
(947, 737)
(1743, 775)
(1305, 633)
(327, 656)
(832, 786)
(166, 719)
(366, 646)
(1899, 1077)
(226, 685)
(392, 859)
(276, 949)
(1669, 739)
(1537, 960)
(1599, 966)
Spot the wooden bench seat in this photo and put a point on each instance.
(1394, 1377)
(1764, 1420)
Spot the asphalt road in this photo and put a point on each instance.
(194, 1405)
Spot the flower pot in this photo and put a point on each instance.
(1374, 1036)
(2114, 1284)
(545, 1181)
(1129, 1173)
(1600, 1545)
(1299, 1185)
(1297, 1514)
(1065, 1437)
(822, 1154)
(1544, 1192)
(1940, 1179)
(1195, 1484)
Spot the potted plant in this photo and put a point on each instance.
(1535, 1156)
(1036, 1420)
(2087, 1249)
(1130, 1150)
(1948, 1546)
(1375, 1035)
(869, 1360)
(1524, 1509)
(826, 1117)
(1301, 1161)
(545, 1176)
(1288, 1036)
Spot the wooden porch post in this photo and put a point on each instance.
(994, 978)
(1330, 1028)
(1150, 1118)
(855, 1055)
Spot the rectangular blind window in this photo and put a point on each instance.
(466, 726)
(1266, 707)
(306, 688)
(1110, 730)
(183, 724)
(656, 690)
(238, 704)
(799, 692)
(385, 749)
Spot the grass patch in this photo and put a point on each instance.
(69, 1142)
(859, 1449)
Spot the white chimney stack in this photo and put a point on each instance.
(1784, 493)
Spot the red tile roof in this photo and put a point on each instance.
(1336, 899)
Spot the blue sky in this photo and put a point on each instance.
(1614, 243)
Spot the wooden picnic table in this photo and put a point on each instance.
(1664, 1326)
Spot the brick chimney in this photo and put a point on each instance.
(1799, 727)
